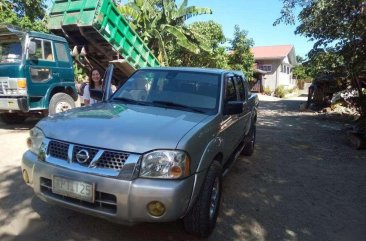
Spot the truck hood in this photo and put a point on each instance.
(11, 70)
(129, 128)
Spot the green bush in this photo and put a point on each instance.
(267, 91)
(280, 91)
(292, 90)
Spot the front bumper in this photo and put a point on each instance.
(123, 201)
(14, 104)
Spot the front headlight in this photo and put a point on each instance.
(35, 140)
(165, 164)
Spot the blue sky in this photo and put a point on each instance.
(255, 16)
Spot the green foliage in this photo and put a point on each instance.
(280, 91)
(267, 91)
(27, 14)
(300, 72)
(79, 73)
(215, 58)
(293, 90)
(241, 57)
(299, 59)
(337, 23)
(161, 23)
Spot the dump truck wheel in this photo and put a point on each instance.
(60, 102)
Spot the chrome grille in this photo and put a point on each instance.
(4, 85)
(108, 159)
(92, 152)
(113, 160)
(58, 149)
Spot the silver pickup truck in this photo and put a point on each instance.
(153, 151)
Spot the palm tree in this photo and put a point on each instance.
(161, 23)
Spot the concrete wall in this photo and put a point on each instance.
(277, 77)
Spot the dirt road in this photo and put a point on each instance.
(302, 183)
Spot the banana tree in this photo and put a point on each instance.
(162, 22)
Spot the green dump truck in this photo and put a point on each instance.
(36, 69)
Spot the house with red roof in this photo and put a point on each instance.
(277, 62)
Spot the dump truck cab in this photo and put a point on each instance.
(36, 74)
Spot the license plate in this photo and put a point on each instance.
(75, 189)
(11, 104)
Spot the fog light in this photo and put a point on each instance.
(25, 176)
(156, 208)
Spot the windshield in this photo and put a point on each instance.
(191, 91)
(10, 49)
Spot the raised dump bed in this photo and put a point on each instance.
(104, 33)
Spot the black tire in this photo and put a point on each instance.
(201, 219)
(249, 146)
(60, 102)
(13, 118)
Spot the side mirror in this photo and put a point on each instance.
(32, 48)
(233, 107)
(96, 94)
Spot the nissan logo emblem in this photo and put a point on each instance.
(82, 156)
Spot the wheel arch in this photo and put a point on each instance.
(64, 89)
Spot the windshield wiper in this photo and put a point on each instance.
(173, 104)
(130, 101)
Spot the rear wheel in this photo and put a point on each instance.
(249, 146)
(60, 102)
(201, 219)
(13, 118)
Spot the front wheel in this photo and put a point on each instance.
(201, 219)
(60, 102)
(13, 118)
(249, 146)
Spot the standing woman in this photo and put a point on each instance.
(95, 82)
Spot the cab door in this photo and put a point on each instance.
(64, 62)
(243, 121)
(229, 126)
(41, 70)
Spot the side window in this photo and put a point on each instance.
(47, 48)
(39, 53)
(230, 92)
(43, 51)
(240, 87)
(61, 52)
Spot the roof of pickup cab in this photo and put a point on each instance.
(192, 69)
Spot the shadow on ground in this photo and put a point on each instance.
(302, 183)
(27, 125)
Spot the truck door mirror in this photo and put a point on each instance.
(32, 47)
(233, 107)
